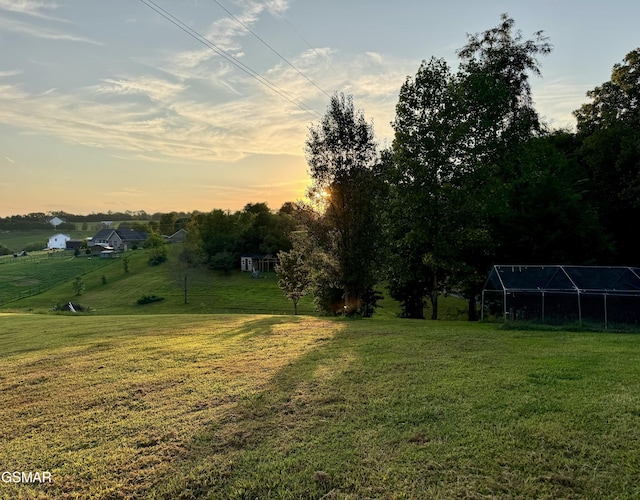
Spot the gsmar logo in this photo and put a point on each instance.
(26, 477)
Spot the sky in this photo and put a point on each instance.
(109, 105)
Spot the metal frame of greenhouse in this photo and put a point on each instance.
(563, 294)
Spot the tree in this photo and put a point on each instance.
(158, 249)
(294, 272)
(455, 140)
(167, 224)
(78, 286)
(421, 161)
(342, 157)
(609, 131)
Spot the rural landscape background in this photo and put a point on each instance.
(285, 352)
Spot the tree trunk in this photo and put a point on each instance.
(434, 304)
(434, 297)
(472, 313)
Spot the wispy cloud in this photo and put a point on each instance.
(15, 26)
(35, 8)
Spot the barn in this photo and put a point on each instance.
(596, 295)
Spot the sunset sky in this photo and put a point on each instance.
(107, 105)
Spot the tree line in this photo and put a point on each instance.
(473, 178)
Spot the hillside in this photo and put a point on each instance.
(109, 290)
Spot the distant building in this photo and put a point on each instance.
(118, 239)
(257, 262)
(58, 241)
(178, 237)
(56, 221)
(74, 244)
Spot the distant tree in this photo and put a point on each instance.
(78, 286)
(222, 261)
(126, 263)
(168, 223)
(158, 249)
(294, 272)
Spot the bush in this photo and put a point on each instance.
(148, 299)
(34, 246)
(5, 251)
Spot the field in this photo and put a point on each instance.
(261, 406)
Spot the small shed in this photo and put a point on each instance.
(258, 262)
(563, 294)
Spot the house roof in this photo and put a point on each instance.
(123, 234)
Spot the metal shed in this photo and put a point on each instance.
(563, 294)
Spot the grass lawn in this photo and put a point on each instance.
(16, 240)
(246, 406)
(41, 271)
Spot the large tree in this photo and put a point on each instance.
(342, 157)
(609, 128)
(456, 137)
(423, 162)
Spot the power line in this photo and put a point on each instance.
(245, 26)
(253, 74)
(322, 56)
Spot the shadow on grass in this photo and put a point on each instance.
(252, 451)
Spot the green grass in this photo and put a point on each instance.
(17, 240)
(41, 271)
(208, 291)
(233, 406)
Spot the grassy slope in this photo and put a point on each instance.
(208, 291)
(24, 276)
(17, 240)
(198, 406)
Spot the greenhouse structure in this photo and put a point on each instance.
(606, 296)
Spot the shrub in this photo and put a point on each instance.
(34, 246)
(148, 299)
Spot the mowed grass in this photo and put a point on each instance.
(41, 271)
(109, 290)
(245, 406)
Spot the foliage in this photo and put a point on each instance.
(293, 270)
(149, 299)
(34, 246)
(343, 160)
(78, 286)
(219, 238)
(5, 251)
(609, 131)
(454, 137)
(126, 263)
(222, 261)
(158, 247)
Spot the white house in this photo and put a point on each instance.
(55, 221)
(58, 241)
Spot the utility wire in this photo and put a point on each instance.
(253, 74)
(322, 56)
(245, 26)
